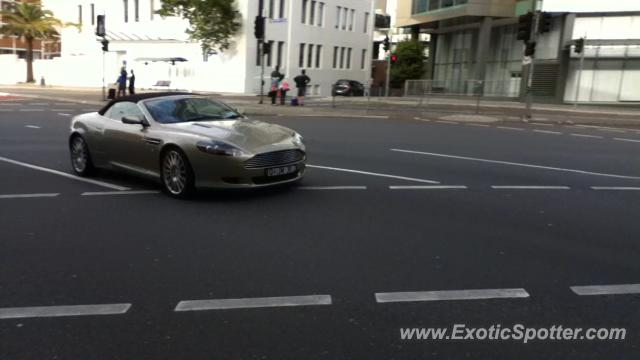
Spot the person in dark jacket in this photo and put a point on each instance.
(302, 81)
(132, 83)
(276, 77)
(122, 83)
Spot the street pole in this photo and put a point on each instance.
(537, 7)
(388, 79)
(575, 103)
(261, 53)
(104, 90)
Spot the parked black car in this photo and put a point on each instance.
(348, 88)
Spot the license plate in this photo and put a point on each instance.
(282, 170)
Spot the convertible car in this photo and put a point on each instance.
(187, 142)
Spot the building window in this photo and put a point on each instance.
(125, 3)
(342, 57)
(310, 56)
(338, 17)
(80, 15)
(301, 56)
(93, 14)
(318, 56)
(280, 49)
(272, 9)
(136, 9)
(335, 57)
(320, 14)
(258, 53)
(312, 13)
(363, 60)
(349, 58)
(352, 20)
(281, 9)
(152, 6)
(366, 22)
(270, 54)
(345, 13)
(304, 11)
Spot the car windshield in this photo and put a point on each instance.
(169, 111)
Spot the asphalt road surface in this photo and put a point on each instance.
(399, 224)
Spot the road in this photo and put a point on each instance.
(393, 215)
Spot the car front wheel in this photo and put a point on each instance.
(80, 156)
(177, 176)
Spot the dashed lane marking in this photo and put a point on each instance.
(606, 289)
(332, 188)
(248, 303)
(31, 110)
(615, 188)
(509, 128)
(583, 172)
(373, 174)
(541, 124)
(547, 132)
(66, 310)
(627, 140)
(447, 122)
(24, 196)
(588, 136)
(478, 125)
(108, 193)
(428, 187)
(392, 297)
(64, 114)
(64, 174)
(32, 127)
(529, 187)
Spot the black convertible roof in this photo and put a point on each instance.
(139, 97)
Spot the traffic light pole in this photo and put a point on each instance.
(261, 52)
(388, 76)
(104, 89)
(537, 7)
(575, 103)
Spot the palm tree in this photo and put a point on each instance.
(30, 22)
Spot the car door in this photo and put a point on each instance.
(127, 144)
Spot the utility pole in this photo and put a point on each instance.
(259, 33)
(579, 48)
(102, 32)
(387, 49)
(536, 7)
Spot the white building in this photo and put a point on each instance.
(331, 39)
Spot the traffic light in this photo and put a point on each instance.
(579, 46)
(266, 48)
(105, 45)
(394, 58)
(386, 44)
(524, 26)
(530, 49)
(544, 23)
(259, 27)
(100, 27)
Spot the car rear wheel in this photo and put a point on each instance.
(80, 156)
(177, 176)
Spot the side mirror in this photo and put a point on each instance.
(239, 111)
(135, 120)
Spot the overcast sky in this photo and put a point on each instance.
(591, 5)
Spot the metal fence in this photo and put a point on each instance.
(474, 88)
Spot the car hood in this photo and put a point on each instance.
(250, 135)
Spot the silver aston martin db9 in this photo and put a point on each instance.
(186, 141)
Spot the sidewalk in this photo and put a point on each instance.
(462, 109)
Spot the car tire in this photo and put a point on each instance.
(176, 173)
(80, 156)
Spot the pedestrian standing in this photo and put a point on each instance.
(132, 83)
(122, 83)
(284, 88)
(276, 77)
(302, 81)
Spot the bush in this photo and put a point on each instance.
(410, 63)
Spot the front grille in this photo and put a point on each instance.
(275, 158)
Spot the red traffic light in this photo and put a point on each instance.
(394, 58)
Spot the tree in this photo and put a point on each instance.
(212, 22)
(410, 62)
(30, 22)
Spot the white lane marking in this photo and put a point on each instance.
(616, 188)
(133, 192)
(451, 295)
(31, 110)
(606, 289)
(587, 136)
(321, 115)
(32, 127)
(247, 303)
(547, 132)
(428, 187)
(23, 196)
(61, 110)
(541, 124)
(332, 188)
(628, 140)
(64, 114)
(64, 174)
(420, 119)
(373, 174)
(529, 187)
(66, 310)
(447, 122)
(478, 125)
(509, 128)
(38, 104)
(518, 164)
(613, 130)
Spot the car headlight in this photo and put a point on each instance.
(219, 148)
(298, 140)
